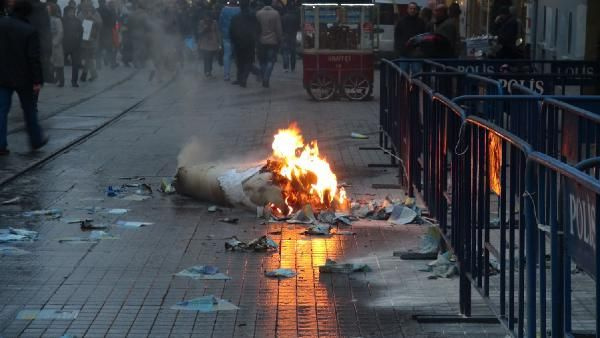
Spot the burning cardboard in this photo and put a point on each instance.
(294, 177)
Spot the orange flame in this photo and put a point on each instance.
(308, 178)
(494, 162)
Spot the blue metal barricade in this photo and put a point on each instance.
(560, 206)
(494, 171)
(489, 180)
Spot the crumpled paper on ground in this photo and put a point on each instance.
(205, 304)
(332, 266)
(281, 273)
(263, 243)
(318, 229)
(16, 235)
(203, 272)
(444, 266)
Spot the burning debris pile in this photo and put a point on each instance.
(294, 176)
(295, 184)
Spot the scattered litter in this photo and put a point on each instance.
(112, 192)
(281, 273)
(47, 314)
(50, 213)
(402, 215)
(133, 224)
(79, 220)
(137, 178)
(318, 229)
(343, 232)
(77, 240)
(99, 234)
(87, 224)
(428, 247)
(263, 243)
(332, 266)
(278, 232)
(260, 212)
(303, 216)
(12, 251)
(132, 185)
(136, 197)
(327, 217)
(358, 136)
(166, 186)
(17, 235)
(343, 219)
(205, 304)
(14, 200)
(213, 208)
(229, 220)
(443, 266)
(94, 237)
(144, 189)
(494, 265)
(203, 272)
(117, 211)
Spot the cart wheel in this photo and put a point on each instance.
(322, 87)
(357, 87)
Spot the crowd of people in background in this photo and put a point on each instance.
(38, 39)
(162, 34)
(444, 22)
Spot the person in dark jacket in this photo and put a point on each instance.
(73, 34)
(406, 28)
(506, 26)
(20, 71)
(447, 26)
(290, 23)
(106, 52)
(40, 19)
(243, 32)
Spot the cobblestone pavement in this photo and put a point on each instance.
(125, 287)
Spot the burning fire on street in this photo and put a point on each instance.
(304, 176)
(295, 175)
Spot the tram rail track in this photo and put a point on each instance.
(81, 139)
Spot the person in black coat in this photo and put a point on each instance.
(106, 51)
(290, 24)
(244, 31)
(73, 35)
(20, 71)
(40, 19)
(406, 28)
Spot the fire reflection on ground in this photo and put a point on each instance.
(304, 303)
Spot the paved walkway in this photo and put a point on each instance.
(126, 287)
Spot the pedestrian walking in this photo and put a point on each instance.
(208, 42)
(290, 23)
(73, 35)
(225, 19)
(20, 72)
(244, 31)
(271, 36)
(407, 27)
(106, 52)
(58, 59)
(126, 38)
(92, 25)
(40, 19)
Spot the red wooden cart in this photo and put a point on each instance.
(337, 41)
